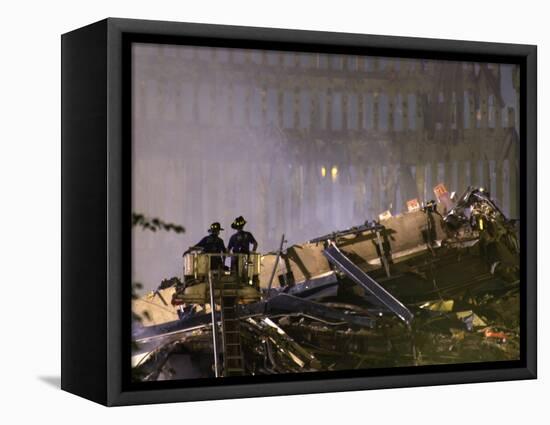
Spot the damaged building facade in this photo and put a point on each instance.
(321, 153)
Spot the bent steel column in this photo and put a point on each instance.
(337, 257)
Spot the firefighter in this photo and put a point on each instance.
(212, 244)
(240, 242)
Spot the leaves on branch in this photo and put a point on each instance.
(153, 224)
(136, 286)
(168, 283)
(136, 317)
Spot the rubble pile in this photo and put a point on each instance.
(437, 285)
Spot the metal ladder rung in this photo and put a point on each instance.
(229, 288)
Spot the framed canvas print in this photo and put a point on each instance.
(252, 212)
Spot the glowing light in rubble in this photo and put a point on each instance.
(323, 172)
(334, 172)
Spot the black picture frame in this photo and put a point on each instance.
(96, 88)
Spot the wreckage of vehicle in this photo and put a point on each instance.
(438, 284)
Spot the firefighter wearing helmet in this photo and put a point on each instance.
(213, 244)
(240, 242)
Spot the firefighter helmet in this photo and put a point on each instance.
(238, 223)
(215, 227)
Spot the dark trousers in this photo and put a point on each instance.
(216, 263)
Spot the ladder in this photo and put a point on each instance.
(233, 363)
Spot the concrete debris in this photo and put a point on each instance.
(436, 285)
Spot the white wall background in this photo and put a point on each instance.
(30, 210)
